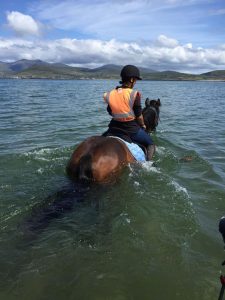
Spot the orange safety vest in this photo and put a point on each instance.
(121, 102)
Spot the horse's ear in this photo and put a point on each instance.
(147, 102)
(158, 102)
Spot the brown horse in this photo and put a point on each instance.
(99, 159)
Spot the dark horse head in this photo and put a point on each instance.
(151, 114)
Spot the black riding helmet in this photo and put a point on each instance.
(130, 71)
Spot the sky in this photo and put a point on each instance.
(180, 35)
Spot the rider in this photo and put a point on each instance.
(124, 105)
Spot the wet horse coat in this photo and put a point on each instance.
(99, 159)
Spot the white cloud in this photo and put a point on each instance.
(22, 24)
(188, 46)
(166, 42)
(127, 20)
(96, 52)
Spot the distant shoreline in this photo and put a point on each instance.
(81, 79)
(37, 69)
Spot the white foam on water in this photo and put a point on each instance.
(40, 171)
(125, 217)
(40, 152)
(218, 157)
(149, 167)
(179, 188)
(42, 158)
(160, 150)
(40, 155)
(46, 155)
(163, 130)
(5, 187)
(11, 215)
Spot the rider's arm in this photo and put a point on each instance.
(138, 110)
(140, 121)
(108, 107)
(109, 110)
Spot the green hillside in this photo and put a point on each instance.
(37, 69)
(51, 72)
(214, 74)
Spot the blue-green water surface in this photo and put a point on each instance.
(153, 234)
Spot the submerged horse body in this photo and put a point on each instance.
(99, 159)
(96, 159)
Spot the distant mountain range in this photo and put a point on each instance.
(38, 69)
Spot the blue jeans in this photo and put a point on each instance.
(142, 137)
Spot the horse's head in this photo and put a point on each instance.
(151, 113)
(154, 103)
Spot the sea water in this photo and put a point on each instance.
(153, 234)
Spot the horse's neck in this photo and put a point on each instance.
(149, 110)
(154, 109)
